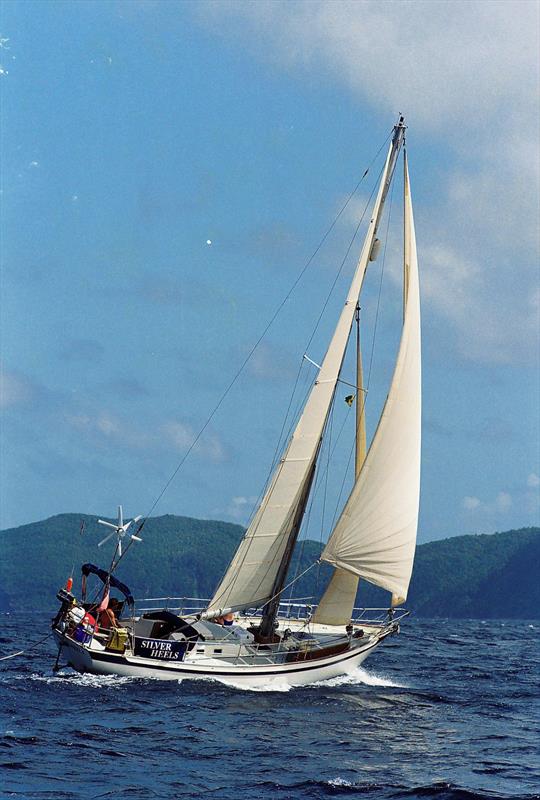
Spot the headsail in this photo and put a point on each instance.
(375, 535)
(252, 576)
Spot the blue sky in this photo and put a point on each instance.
(135, 132)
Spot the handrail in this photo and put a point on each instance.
(294, 609)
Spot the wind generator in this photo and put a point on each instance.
(120, 529)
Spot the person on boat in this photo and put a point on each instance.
(107, 618)
(226, 619)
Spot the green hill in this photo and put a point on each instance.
(465, 576)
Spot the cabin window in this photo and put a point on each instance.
(218, 650)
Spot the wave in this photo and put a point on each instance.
(439, 790)
(361, 676)
(357, 677)
(271, 686)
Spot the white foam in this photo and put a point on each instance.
(360, 676)
(76, 679)
(339, 782)
(271, 686)
(356, 677)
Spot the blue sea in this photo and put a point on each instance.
(448, 709)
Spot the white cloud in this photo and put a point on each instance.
(466, 75)
(183, 436)
(532, 496)
(239, 509)
(503, 501)
(495, 512)
(269, 363)
(443, 62)
(501, 504)
(470, 503)
(107, 424)
(533, 480)
(100, 423)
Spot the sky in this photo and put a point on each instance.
(168, 170)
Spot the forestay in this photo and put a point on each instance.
(250, 578)
(375, 535)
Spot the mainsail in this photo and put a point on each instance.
(258, 566)
(375, 535)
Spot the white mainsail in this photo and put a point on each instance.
(251, 575)
(375, 536)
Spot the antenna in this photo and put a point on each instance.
(120, 529)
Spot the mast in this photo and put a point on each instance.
(406, 231)
(361, 445)
(271, 609)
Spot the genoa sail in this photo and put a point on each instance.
(250, 579)
(375, 536)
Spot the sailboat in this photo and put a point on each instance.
(240, 635)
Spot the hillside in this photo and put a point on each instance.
(465, 576)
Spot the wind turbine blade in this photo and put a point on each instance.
(106, 539)
(119, 548)
(126, 526)
(120, 517)
(136, 538)
(108, 524)
(136, 519)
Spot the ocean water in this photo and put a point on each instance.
(447, 709)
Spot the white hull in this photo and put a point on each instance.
(98, 662)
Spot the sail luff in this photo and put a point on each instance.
(251, 576)
(375, 535)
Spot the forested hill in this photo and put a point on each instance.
(484, 576)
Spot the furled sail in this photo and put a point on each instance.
(375, 535)
(251, 576)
